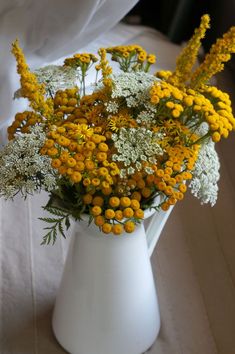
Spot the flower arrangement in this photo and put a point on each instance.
(135, 141)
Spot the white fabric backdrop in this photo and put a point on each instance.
(48, 30)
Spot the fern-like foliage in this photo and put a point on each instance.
(57, 222)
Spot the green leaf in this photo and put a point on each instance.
(54, 236)
(67, 223)
(90, 219)
(60, 227)
(49, 220)
(46, 239)
(56, 224)
(54, 210)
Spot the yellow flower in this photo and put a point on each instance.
(99, 220)
(213, 62)
(187, 58)
(95, 182)
(128, 212)
(139, 214)
(76, 177)
(30, 88)
(97, 200)
(56, 163)
(109, 214)
(71, 162)
(125, 202)
(118, 215)
(105, 67)
(129, 226)
(107, 228)
(117, 229)
(216, 137)
(114, 202)
(96, 210)
(87, 198)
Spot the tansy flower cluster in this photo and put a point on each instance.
(134, 142)
(132, 57)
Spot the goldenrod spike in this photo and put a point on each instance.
(220, 53)
(188, 55)
(30, 87)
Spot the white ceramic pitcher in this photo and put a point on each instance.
(107, 301)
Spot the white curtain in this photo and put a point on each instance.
(48, 30)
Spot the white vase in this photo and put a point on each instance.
(107, 301)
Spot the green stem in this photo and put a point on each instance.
(200, 139)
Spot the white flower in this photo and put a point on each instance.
(22, 168)
(112, 107)
(57, 77)
(134, 146)
(202, 129)
(206, 174)
(145, 117)
(134, 87)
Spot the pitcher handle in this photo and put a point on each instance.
(154, 228)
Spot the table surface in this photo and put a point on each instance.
(193, 263)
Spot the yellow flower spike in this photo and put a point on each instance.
(213, 62)
(105, 67)
(30, 87)
(187, 58)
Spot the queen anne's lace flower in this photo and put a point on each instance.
(135, 146)
(23, 168)
(57, 77)
(206, 174)
(134, 87)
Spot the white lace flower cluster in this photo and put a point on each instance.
(22, 167)
(135, 146)
(57, 77)
(206, 174)
(133, 87)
